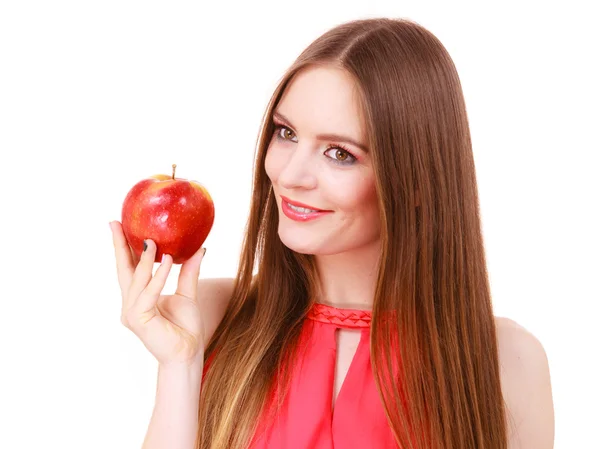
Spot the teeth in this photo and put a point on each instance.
(301, 209)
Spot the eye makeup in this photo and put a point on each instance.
(349, 160)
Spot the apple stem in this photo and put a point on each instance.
(174, 166)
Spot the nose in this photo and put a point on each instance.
(299, 170)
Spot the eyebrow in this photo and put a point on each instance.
(337, 137)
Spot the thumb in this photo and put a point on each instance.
(187, 285)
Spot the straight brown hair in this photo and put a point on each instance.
(435, 363)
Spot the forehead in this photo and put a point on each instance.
(322, 100)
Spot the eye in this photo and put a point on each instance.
(285, 135)
(341, 156)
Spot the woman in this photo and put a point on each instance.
(369, 321)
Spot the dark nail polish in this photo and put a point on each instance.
(145, 245)
(204, 252)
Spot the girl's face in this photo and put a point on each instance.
(318, 157)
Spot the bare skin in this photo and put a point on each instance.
(175, 328)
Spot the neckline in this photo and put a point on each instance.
(341, 317)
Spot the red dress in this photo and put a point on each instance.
(306, 419)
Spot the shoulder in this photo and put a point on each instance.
(216, 286)
(214, 295)
(526, 387)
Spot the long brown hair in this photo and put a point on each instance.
(432, 276)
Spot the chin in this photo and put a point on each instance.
(296, 242)
(297, 247)
(311, 248)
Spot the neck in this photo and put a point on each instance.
(348, 279)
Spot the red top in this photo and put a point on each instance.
(306, 419)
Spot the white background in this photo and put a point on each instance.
(95, 96)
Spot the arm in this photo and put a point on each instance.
(174, 421)
(526, 387)
(215, 295)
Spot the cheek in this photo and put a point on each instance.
(363, 210)
(356, 196)
(368, 212)
(369, 207)
(271, 164)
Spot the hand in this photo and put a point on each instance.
(170, 326)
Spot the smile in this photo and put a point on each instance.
(303, 210)
(297, 213)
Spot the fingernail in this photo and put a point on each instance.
(162, 259)
(145, 245)
(204, 252)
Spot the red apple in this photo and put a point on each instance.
(175, 213)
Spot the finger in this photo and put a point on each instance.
(146, 302)
(134, 257)
(142, 273)
(123, 258)
(187, 285)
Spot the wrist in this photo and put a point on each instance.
(192, 366)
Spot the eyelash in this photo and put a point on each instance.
(279, 127)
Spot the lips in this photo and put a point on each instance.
(300, 216)
(299, 204)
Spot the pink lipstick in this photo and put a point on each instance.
(300, 211)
